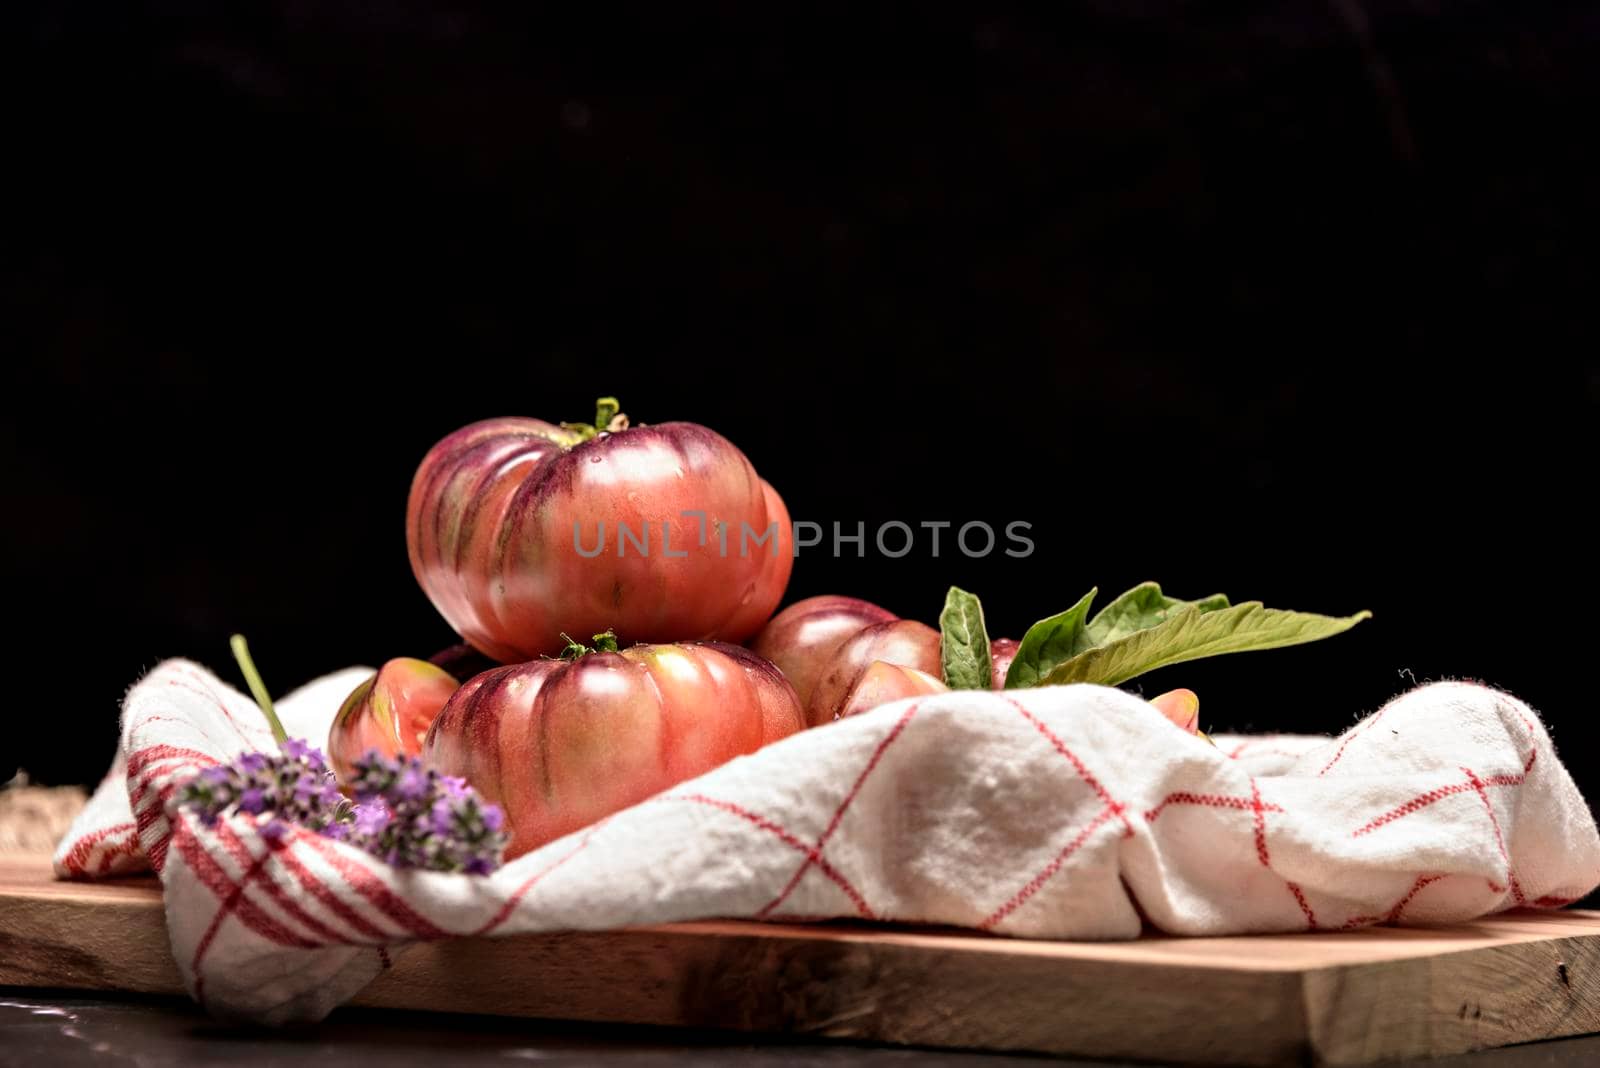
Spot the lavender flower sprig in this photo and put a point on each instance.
(410, 816)
(413, 817)
(292, 785)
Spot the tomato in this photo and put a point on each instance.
(559, 744)
(883, 682)
(1182, 709)
(801, 638)
(846, 656)
(1001, 652)
(903, 642)
(462, 661)
(843, 685)
(390, 712)
(519, 530)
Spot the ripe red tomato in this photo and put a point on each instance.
(801, 638)
(390, 712)
(559, 744)
(902, 642)
(851, 678)
(519, 530)
(883, 682)
(1001, 652)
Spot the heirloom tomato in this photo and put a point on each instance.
(519, 530)
(831, 647)
(390, 712)
(801, 638)
(559, 744)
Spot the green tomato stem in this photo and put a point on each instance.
(258, 689)
(603, 643)
(608, 419)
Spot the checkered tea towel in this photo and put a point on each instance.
(1073, 812)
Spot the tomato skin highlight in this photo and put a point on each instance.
(515, 531)
(390, 712)
(560, 744)
(802, 638)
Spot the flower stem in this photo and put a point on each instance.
(241, 653)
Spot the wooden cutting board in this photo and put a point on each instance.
(1349, 998)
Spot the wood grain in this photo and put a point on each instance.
(1350, 998)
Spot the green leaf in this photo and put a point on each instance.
(1140, 608)
(1192, 632)
(963, 642)
(1049, 642)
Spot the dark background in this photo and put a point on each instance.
(1291, 301)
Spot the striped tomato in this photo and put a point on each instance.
(559, 744)
(390, 712)
(801, 638)
(519, 530)
(901, 642)
(845, 656)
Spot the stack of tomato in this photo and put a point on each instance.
(522, 533)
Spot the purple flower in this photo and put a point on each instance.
(406, 814)
(297, 749)
(372, 818)
(413, 783)
(443, 816)
(291, 788)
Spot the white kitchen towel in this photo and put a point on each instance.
(1074, 812)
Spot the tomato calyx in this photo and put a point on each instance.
(608, 419)
(603, 643)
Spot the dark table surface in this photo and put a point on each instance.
(63, 1029)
